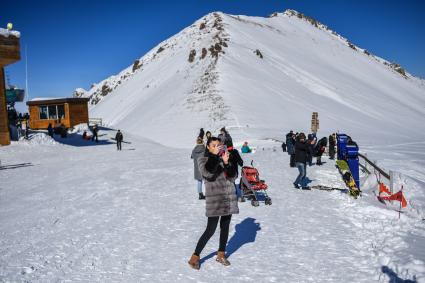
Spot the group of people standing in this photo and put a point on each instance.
(302, 149)
(216, 165)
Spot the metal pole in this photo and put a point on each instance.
(391, 181)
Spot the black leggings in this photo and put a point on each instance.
(209, 231)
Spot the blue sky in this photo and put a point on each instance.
(76, 43)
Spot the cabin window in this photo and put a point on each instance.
(61, 111)
(52, 112)
(43, 112)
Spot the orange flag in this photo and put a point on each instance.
(383, 189)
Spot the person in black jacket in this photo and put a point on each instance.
(290, 145)
(119, 138)
(95, 132)
(332, 144)
(320, 149)
(236, 161)
(302, 149)
(201, 133)
(311, 137)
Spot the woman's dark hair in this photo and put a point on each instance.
(211, 139)
(208, 132)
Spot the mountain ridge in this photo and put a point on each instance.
(250, 72)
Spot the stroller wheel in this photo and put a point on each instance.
(255, 202)
(268, 201)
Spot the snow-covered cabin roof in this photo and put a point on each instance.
(6, 32)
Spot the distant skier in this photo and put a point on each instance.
(221, 201)
(50, 130)
(119, 138)
(332, 144)
(197, 152)
(95, 132)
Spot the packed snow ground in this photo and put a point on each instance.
(83, 212)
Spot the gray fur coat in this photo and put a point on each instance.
(220, 192)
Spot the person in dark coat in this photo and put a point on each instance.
(311, 143)
(236, 160)
(320, 149)
(284, 146)
(221, 202)
(201, 133)
(50, 130)
(290, 143)
(224, 136)
(197, 152)
(302, 149)
(95, 131)
(119, 138)
(332, 144)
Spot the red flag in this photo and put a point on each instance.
(399, 197)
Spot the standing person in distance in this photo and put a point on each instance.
(235, 160)
(332, 144)
(221, 202)
(201, 133)
(95, 131)
(224, 136)
(207, 136)
(290, 147)
(302, 149)
(119, 138)
(198, 151)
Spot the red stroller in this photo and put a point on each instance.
(252, 186)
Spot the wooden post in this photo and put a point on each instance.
(315, 122)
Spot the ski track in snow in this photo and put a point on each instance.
(91, 214)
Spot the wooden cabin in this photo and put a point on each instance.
(56, 111)
(9, 53)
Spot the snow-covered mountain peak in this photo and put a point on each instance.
(253, 72)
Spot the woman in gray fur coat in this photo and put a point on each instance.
(221, 200)
(197, 152)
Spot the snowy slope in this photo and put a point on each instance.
(305, 67)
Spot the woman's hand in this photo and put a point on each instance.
(225, 157)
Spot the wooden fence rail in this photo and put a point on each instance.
(383, 173)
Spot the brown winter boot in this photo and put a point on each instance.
(222, 259)
(194, 262)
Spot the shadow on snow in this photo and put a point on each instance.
(245, 232)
